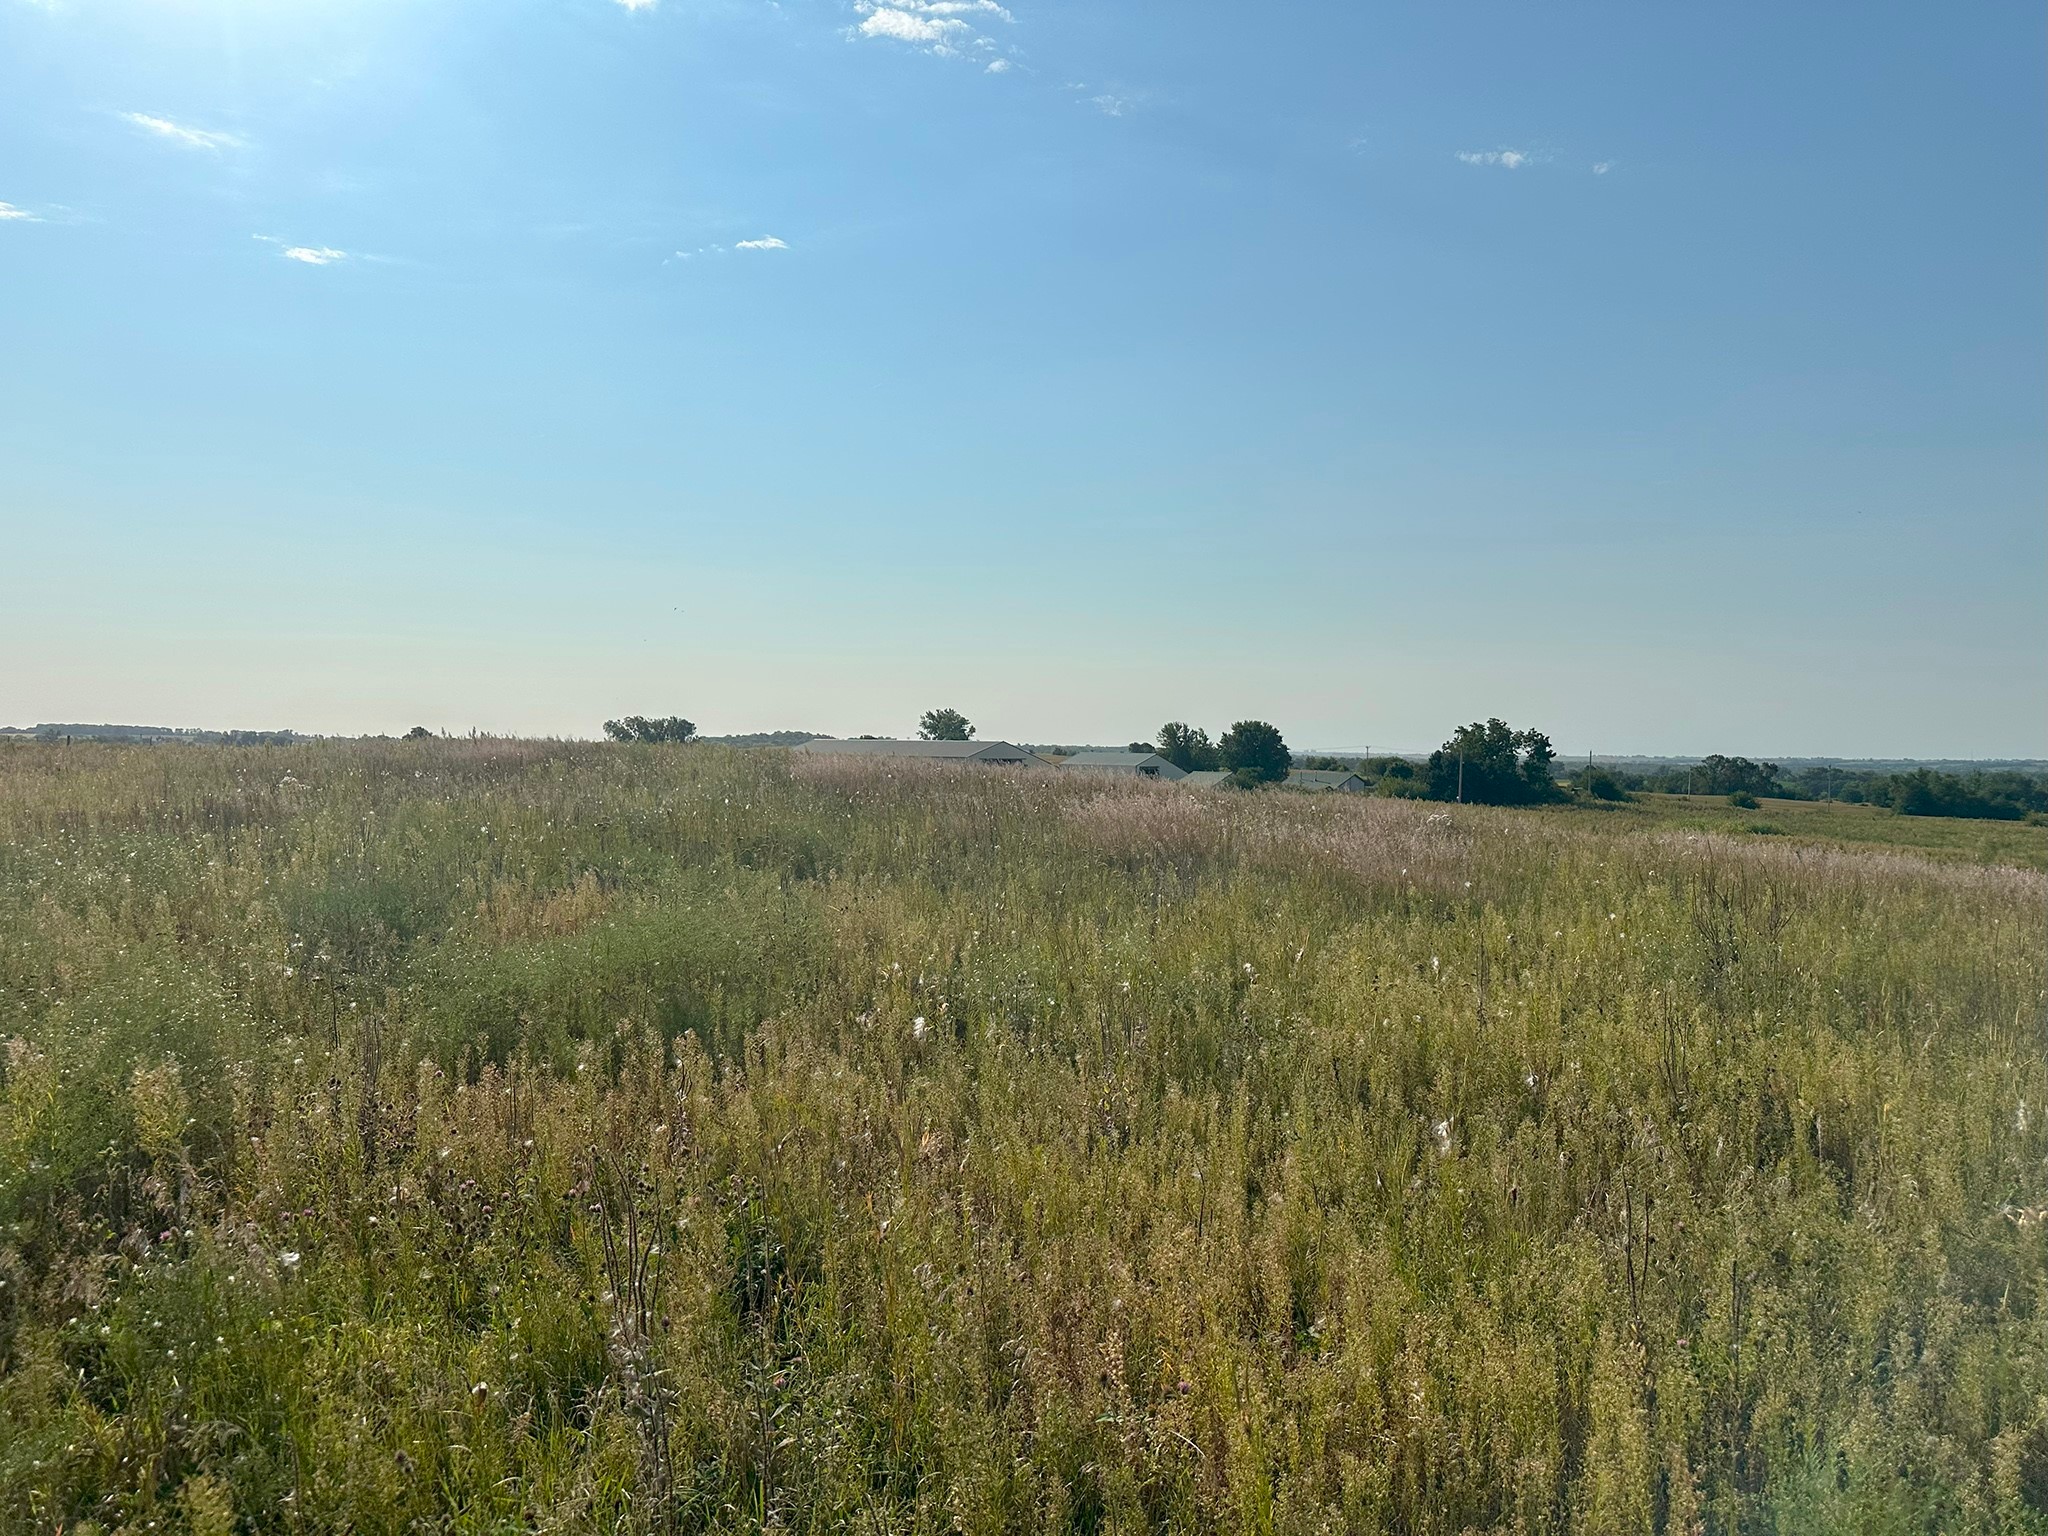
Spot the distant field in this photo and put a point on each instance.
(1980, 842)
(491, 1136)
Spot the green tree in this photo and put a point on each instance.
(1188, 747)
(944, 725)
(1493, 764)
(1601, 784)
(419, 733)
(1720, 775)
(1253, 750)
(671, 728)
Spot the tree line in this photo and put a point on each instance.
(1490, 762)
(1991, 795)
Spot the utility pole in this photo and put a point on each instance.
(1461, 778)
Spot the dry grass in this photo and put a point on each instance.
(488, 1136)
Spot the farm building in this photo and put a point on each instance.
(1317, 780)
(1345, 782)
(930, 751)
(1144, 765)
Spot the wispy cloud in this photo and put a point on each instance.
(180, 133)
(1602, 167)
(948, 28)
(309, 255)
(765, 243)
(11, 214)
(998, 66)
(638, 5)
(1506, 159)
(1109, 101)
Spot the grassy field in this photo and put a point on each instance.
(1979, 842)
(487, 1136)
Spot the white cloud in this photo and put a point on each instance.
(178, 133)
(1506, 159)
(18, 215)
(1602, 167)
(905, 27)
(933, 25)
(638, 5)
(1111, 106)
(767, 243)
(998, 67)
(314, 255)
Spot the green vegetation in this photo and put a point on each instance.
(1188, 747)
(1600, 784)
(1254, 753)
(1994, 795)
(670, 728)
(483, 1136)
(945, 725)
(1492, 764)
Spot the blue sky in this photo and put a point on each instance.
(1668, 377)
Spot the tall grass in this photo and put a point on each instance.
(487, 1136)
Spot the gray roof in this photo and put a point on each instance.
(1124, 762)
(1205, 778)
(1323, 778)
(943, 751)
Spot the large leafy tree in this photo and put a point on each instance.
(1253, 750)
(640, 728)
(1188, 747)
(1493, 764)
(944, 725)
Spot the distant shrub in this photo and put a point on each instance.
(670, 728)
(1602, 785)
(1742, 799)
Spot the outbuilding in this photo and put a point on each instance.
(1344, 782)
(927, 751)
(1142, 765)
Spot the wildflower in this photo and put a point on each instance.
(917, 1027)
(288, 1259)
(1442, 1131)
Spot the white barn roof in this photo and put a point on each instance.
(939, 751)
